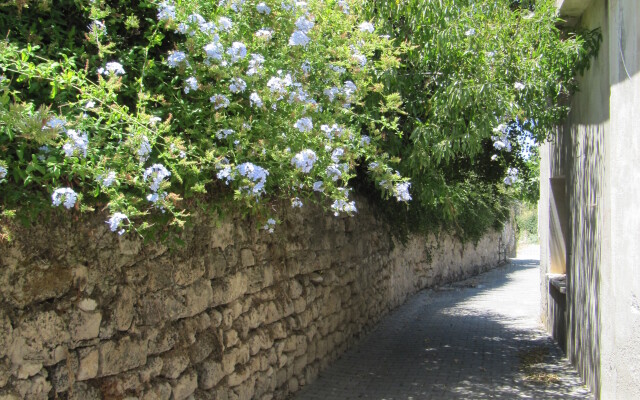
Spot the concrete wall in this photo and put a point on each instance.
(620, 292)
(595, 155)
(236, 314)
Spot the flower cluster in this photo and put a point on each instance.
(345, 206)
(304, 124)
(156, 174)
(111, 68)
(501, 141)
(401, 191)
(512, 176)
(115, 221)
(65, 196)
(78, 143)
(304, 160)
(256, 174)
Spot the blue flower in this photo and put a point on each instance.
(166, 11)
(401, 191)
(237, 51)
(255, 100)
(108, 179)
(144, 150)
(115, 220)
(299, 38)
(256, 174)
(79, 143)
(304, 124)
(175, 58)
(340, 205)
(65, 196)
(157, 172)
(191, 84)
(111, 68)
(304, 160)
(219, 101)
(263, 9)
(237, 85)
(366, 27)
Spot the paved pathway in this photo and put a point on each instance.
(477, 339)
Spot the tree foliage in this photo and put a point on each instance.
(149, 110)
(482, 84)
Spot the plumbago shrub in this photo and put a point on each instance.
(147, 110)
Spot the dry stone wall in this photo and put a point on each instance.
(237, 313)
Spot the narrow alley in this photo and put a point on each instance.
(476, 339)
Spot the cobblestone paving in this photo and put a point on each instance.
(477, 339)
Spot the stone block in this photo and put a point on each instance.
(210, 372)
(272, 313)
(215, 264)
(82, 391)
(240, 375)
(84, 325)
(231, 313)
(121, 355)
(299, 363)
(233, 357)
(229, 288)
(124, 311)
(87, 305)
(172, 305)
(186, 272)
(259, 278)
(246, 390)
(231, 256)
(159, 273)
(36, 388)
(34, 285)
(223, 235)
(62, 374)
(247, 259)
(161, 340)
(277, 331)
(159, 391)
(258, 341)
(151, 370)
(184, 386)
(89, 361)
(295, 289)
(174, 362)
(207, 344)
(299, 305)
(292, 385)
(230, 338)
(216, 318)
(36, 341)
(6, 330)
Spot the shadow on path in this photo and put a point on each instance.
(476, 339)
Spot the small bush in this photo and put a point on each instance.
(527, 223)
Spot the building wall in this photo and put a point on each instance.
(595, 157)
(237, 313)
(620, 292)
